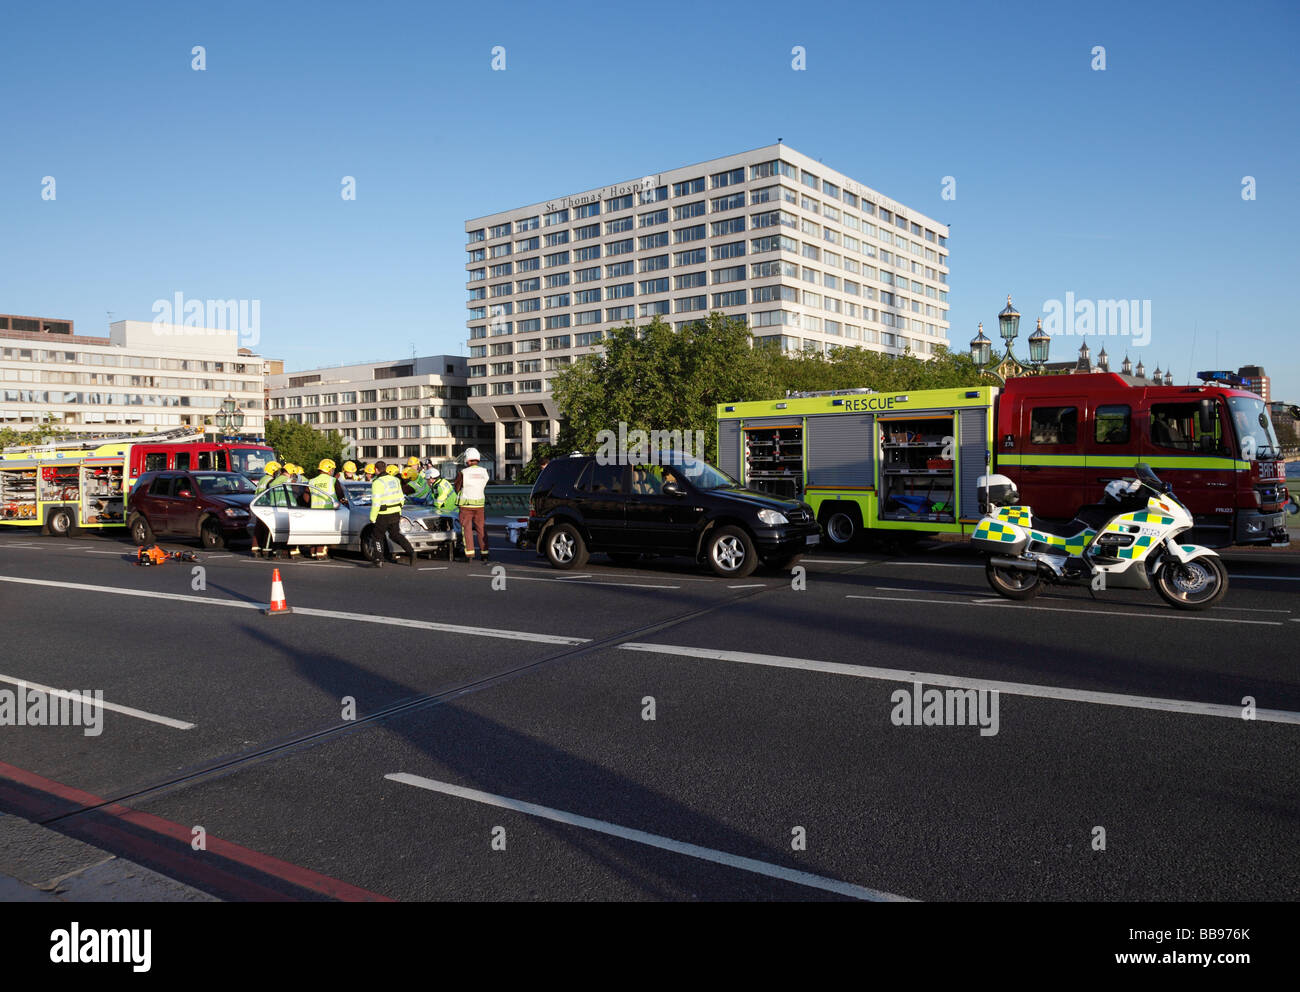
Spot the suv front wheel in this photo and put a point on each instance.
(565, 547)
(730, 553)
(141, 532)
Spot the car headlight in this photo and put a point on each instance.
(404, 525)
(772, 518)
(233, 512)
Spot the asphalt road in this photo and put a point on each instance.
(500, 747)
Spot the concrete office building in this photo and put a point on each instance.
(394, 409)
(809, 257)
(142, 377)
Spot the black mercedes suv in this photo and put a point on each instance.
(581, 504)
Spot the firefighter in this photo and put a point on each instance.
(261, 535)
(326, 494)
(471, 486)
(390, 469)
(370, 472)
(415, 485)
(350, 471)
(444, 493)
(386, 501)
(281, 479)
(272, 470)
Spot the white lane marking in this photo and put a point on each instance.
(652, 840)
(752, 585)
(936, 564)
(211, 557)
(433, 568)
(108, 552)
(1266, 578)
(1060, 609)
(447, 628)
(963, 682)
(838, 561)
(1247, 609)
(166, 721)
(576, 580)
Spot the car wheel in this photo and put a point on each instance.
(565, 547)
(370, 547)
(210, 535)
(59, 522)
(730, 553)
(141, 532)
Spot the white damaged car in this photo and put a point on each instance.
(289, 516)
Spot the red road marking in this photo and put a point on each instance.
(165, 846)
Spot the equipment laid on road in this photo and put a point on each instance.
(278, 603)
(156, 556)
(897, 464)
(1128, 541)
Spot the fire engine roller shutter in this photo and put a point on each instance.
(729, 447)
(974, 442)
(840, 449)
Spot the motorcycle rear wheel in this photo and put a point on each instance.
(1195, 585)
(1013, 583)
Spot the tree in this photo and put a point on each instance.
(47, 430)
(656, 379)
(303, 445)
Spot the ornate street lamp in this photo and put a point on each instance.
(1009, 323)
(1040, 344)
(230, 416)
(981, 348)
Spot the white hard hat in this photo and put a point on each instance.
(432, 473)
(472, 455)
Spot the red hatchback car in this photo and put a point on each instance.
(209, 506)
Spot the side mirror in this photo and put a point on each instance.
(673, 489)
(185, 494)
(1206, 417)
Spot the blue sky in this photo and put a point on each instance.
(1122, 183)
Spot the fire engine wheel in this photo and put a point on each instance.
(141, 532)
(841, 528)
(210, 535)
(1013, 583)
(60, 523)
(565, 547)
(1193, 585)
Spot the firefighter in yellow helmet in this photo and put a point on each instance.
(386, 501)
(391, 469)
(349, 471)
(261, 534)
(326, 494)
(370, 472)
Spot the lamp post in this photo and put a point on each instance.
(230, 416)
(981, 348)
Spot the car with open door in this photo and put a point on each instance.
(344, 525)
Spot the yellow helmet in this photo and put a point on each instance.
(370, 469)
(408, 473)
(412, 461)
(349, 466)
(272, 467)
(294, 468)
(393, 470)
(327, 465)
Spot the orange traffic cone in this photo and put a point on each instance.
(278, 604)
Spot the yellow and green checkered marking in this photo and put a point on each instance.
(995, 530)
(1073, 545)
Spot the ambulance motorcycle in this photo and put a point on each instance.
(1128, 541)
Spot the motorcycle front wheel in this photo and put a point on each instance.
(1193, 585)
(1013, 583)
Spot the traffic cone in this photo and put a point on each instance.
(278, 604)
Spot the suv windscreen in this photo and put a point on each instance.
(700, 474)
(222, 483)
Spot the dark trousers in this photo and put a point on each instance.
(386, 525)
(473, 521)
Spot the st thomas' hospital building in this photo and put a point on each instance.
(808, 257)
